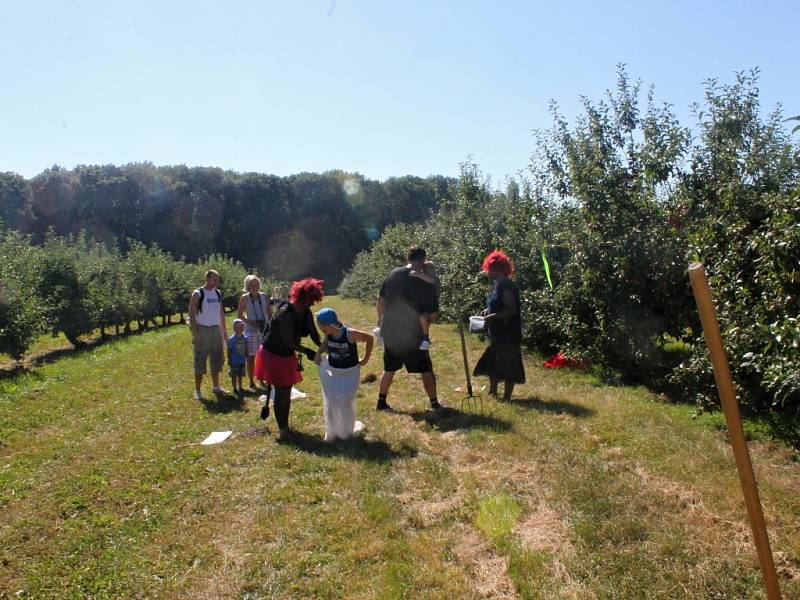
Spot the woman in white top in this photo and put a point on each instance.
(256, 311)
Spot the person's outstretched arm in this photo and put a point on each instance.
(323, 347)
(380, 306)
(312, 329)
(380, 303)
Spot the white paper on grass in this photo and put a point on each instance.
(216, 437)
(296, 395)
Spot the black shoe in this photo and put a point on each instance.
(436, 406)
(383, 406)
(265, 411)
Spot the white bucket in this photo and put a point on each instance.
(476, 323)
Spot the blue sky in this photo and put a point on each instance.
(379, 87)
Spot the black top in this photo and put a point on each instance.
(504, 330)
(407, 298)
(342, 353)
(286, 328)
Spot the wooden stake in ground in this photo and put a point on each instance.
(466, 363)
(727, 396)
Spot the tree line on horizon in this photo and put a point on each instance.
(283, 227)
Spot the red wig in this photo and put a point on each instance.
(306, 290)
(497, 259)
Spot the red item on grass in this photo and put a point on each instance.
(559, 361)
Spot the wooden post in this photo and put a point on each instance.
(466, 363)
(727, 396)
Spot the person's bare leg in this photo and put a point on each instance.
(429, 383)
(198, 381)
(251, 367)
(215, 379)
(386, 382)
(383, 390)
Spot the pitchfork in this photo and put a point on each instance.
(471, 401)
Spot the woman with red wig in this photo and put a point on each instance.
(276, 362)
(502, 360)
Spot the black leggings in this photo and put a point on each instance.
(282, 405)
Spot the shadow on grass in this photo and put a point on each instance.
(356, 448)
(557, 407)
(451, 419)
(224, 404)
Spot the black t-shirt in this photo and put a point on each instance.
(407, 298)
(286, 329)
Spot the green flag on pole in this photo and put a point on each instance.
(546, 268)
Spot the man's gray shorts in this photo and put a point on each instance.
(208, 343)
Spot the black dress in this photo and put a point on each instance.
(503, 358)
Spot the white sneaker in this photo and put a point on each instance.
(218, 391)
(424, 345)
(197, 395)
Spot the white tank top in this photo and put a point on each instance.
(256, 310)
(209, 316)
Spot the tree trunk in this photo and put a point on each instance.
(73, 339)
(116, 329)
(127, 329)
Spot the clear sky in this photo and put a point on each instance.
(375, 86)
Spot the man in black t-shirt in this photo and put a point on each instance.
(402, 299)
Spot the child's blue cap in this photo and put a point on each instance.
(327, 316)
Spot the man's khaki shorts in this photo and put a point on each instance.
(208, 343)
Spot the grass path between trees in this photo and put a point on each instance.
(573, 490)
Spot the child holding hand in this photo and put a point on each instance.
(428, 275)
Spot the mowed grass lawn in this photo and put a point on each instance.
(574, 490)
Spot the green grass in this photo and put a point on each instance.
(572, 490)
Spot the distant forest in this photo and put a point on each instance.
(285, 227)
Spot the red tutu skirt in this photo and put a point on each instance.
(280, 371)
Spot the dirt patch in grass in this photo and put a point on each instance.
(429, 512)
(489, 570)
(686, 498)
(544, 530)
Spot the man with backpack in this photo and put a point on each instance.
(209, 332)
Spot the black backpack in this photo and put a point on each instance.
(202, 291)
